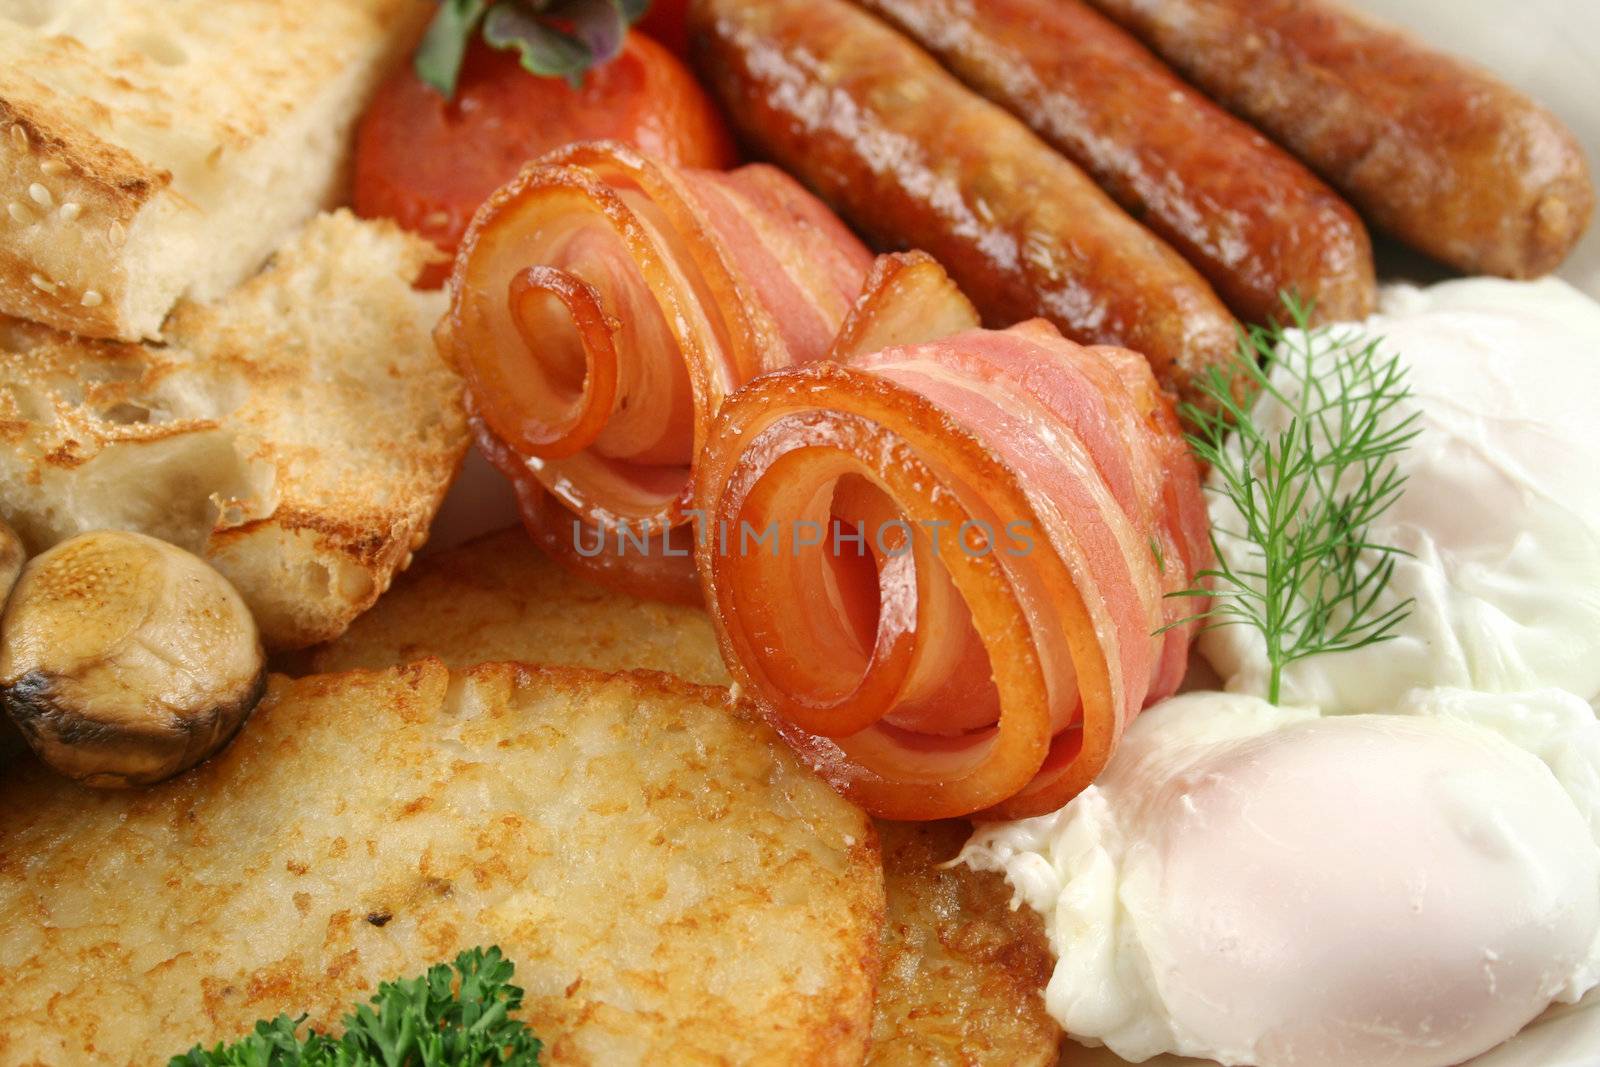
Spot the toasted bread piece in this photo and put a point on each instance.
(671, 883)
(499, 598)
(157, 148)
(299, 433)
(964, 973)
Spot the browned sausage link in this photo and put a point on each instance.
(1433, 149)
(1246, 213)
(913, 158)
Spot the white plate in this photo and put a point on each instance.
(1550, 49)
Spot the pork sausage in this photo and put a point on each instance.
(1245, 213)
(1432, 149)
(914, 159)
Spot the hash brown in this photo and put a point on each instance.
(669, 880)
(499, 598)
(963, 972)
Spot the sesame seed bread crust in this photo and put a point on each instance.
(299, 434)
(152, 150)
(35, 280)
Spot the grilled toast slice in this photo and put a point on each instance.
(156, 148)
(298, 433)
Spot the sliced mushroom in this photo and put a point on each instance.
(125, 660)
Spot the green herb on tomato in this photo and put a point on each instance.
(428, 162)
(554, 38)
(453, 1016)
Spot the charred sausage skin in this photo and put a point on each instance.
(1434, 150)
(1245, 213)
(913, 159)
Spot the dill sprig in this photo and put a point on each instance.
(1304, 493)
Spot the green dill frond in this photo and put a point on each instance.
(1305, 493)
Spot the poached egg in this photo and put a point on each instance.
(1501, 509)
(1262, 885)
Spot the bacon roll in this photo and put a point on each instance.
(942, 566)
(603, 305)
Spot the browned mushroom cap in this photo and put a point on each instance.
(125, 660)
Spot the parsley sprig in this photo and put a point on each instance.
(1297, 560)
(453, 1016)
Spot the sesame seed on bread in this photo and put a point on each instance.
(151, 149)
(298, 433)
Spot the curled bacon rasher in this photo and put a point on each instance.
(604, 305)
(942, 565)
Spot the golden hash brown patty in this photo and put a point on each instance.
(671, 883)
(500, 598)
(963, 972)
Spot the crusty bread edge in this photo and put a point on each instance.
(110, 186)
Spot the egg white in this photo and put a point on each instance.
(1501, 509)
(1261, 885)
